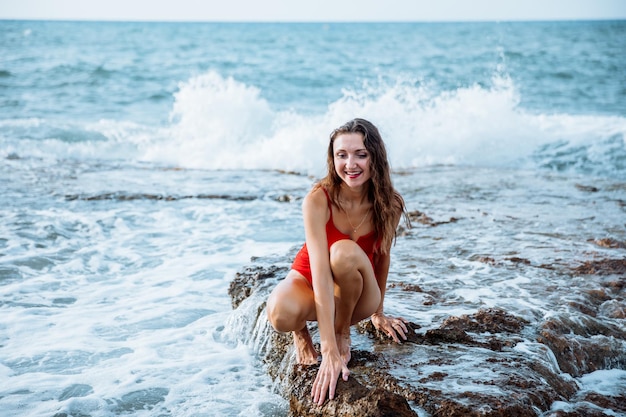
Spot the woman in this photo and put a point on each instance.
(339, 276)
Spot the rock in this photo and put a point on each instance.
(587, 188)
(616, 403)
(602, 267)
(352, 398)
(615, 309)
(250, 279)
(528, 381)
(592, 405)
(419, 217)
(488, 363)
(491, 320)
(609, 243)
(584, 345)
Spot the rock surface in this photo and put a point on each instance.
(490, 363)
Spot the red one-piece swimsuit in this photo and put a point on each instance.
(367, 242)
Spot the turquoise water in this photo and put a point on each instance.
(79, 89)
(130, 71)
(142, 164)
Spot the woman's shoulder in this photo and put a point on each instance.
(315, 207)
(317, 198)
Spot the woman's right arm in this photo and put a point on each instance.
(316, 213)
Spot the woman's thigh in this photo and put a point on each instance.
(350, 261)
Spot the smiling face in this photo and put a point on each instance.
(351, 159)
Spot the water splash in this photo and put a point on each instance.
(218, 122)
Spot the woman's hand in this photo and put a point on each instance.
(392, 326)
(326, 380)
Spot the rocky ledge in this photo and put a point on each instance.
(490, 363)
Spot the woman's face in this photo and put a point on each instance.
(352, 160)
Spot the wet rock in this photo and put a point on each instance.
(404, 286)
(529, 382)
(487, 260)
(491, 320)
(252, 278)
(584, 345)
(480, 364)
(609, 243)
(450, 332)
(352, 398)
(485, 325)
(422, 218)
(367, 327)
(285, 198)
(605, 301)
(593, 405)
(581, 410)
(587, 188)
(602, 267)
(614, 309)
(429, 296)
(518, 260)
(610, 402)
(493, 262)
(122, 196)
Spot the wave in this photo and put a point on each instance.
(218, 122)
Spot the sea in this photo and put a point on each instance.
(142, 165)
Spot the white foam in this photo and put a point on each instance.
(605, 382)
(221, 123)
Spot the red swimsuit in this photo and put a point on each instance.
(367, 242)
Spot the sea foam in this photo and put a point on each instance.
(218, 122)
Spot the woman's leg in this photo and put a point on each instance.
(357, 295)
(289, 307)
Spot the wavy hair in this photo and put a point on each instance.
(386, 201)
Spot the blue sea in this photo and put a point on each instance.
(143, 164)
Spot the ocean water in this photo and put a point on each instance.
(143, 164)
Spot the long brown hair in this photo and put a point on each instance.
(386, 201)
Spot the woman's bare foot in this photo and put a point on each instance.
(305, 351)
(343, 343)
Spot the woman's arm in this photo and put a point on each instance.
(393, 326)
(316, 213)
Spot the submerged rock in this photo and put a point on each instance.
(584, 345)
(420, 217)
(489, 363)
(602, 267)
(609, 243)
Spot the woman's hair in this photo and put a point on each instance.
(387, 202)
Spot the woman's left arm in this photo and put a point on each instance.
(392, 326)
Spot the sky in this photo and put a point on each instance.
(313, 10)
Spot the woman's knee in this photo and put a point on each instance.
(287, 306)
(346, 256)
(277, 312)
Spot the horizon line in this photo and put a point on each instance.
(132, 20)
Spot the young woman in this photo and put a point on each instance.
(339, 276)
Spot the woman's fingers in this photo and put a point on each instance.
(320, 386)
(326, 379)
(395, 327)
(401, 328)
